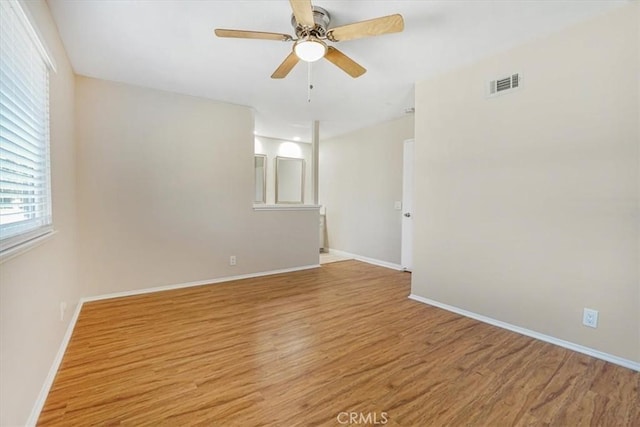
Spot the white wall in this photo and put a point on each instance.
(527, 205)
(166, 191)
(276, 147)
(638, 100)
(360, 179)
(33, 284)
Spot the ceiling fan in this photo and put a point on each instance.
(311, 26)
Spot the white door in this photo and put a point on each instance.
(406, 257)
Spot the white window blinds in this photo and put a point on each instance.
(25, 190)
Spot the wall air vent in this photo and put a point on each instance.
(504, 85)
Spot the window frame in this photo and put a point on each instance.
(34, 235)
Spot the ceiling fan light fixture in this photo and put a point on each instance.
(310, 49)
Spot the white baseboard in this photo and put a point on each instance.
(533, 334)
(48, 382)
(366, 259)
(46, 387)
(198, 283)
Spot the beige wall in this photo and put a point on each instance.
(360, 179)
(33, 284)
(165, 186)
(527, 205)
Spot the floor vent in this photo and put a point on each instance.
(504, 85)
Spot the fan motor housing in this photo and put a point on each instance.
(321, 18)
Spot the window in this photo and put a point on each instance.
(25, 182)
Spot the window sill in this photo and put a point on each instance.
(260, 207)
(25, 246)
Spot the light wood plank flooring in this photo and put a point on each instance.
(302, 348)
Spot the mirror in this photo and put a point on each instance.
(289, 180)
(260, 168)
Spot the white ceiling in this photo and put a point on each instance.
(170, 45)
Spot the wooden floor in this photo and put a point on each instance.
(321, 347)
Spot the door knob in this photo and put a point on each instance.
(408, 215)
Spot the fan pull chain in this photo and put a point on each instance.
(309, 81)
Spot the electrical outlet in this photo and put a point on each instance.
(63, 308)
(590, 318)
(397, 206)
(232, 260)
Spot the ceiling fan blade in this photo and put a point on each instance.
(372, 27)
(345, 63)
(303, 11)
(286, 66)
(242, 34)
